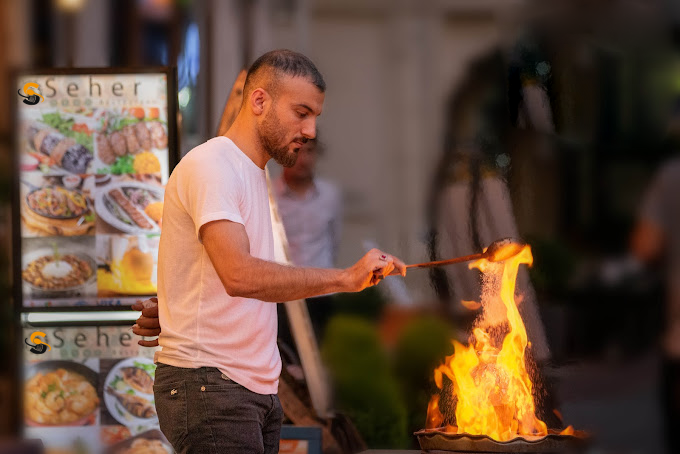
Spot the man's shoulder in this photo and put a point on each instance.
(210, 155)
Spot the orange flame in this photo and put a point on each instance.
(472, 305)
(568, 431)
(434, 416)
(490, 380)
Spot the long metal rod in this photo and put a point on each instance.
(465, 258)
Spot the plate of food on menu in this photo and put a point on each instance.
(127, 141)
(62, 208)
(58, 143)
(148, 442)
(60, 393)
(128, 392)
(58, 271)
(131, 207)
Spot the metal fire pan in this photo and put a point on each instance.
(436, 440)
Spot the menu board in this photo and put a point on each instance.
(94, 153)
(90, 390)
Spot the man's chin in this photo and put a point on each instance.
(288, 161)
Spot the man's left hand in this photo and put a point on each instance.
(148, 324)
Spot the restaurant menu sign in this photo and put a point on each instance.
(93, 153)
(90, 390)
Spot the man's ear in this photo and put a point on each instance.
(258, 98)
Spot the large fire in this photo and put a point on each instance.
(491, 387)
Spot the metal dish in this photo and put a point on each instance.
(47, 366)
(42, 252)
(105, 206)
(153, 434)
(436, 440)
(115, 409)
(49, 216)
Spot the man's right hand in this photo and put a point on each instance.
(371, 269)
(148, 324)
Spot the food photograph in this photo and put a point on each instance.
(129, 204)
(127, 264)
(127, 390)
(61, 393)
(57, 143)
(149, 442)
(57, 205)
(95, 140)
(59, 267)
(73, 441)
(130, 141)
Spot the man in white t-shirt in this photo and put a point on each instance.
(217, 373)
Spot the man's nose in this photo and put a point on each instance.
(309, 129)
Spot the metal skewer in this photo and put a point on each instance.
(497, 251)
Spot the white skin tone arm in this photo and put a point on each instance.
(243, 275)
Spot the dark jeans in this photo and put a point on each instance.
(201, 411)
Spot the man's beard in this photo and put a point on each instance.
(272, 137)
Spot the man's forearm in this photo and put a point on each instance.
(273, 282)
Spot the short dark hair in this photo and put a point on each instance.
(283, 62)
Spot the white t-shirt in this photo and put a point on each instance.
(201, 324)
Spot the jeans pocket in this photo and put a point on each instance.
(171, 406)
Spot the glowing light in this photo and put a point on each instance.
(184, 96)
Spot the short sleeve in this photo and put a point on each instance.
(210, 192)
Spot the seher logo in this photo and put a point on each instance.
(32, 98)
(39, 346)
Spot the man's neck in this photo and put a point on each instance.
(298, 186)
(246, 139)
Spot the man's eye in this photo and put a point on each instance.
(302, 114)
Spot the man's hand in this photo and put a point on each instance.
(148, 324)
(371, 269)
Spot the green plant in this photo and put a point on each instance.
(365, 389)
(367, 304)
(421, 347)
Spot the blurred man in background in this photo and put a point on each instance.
(656, 242)
(311, 212)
